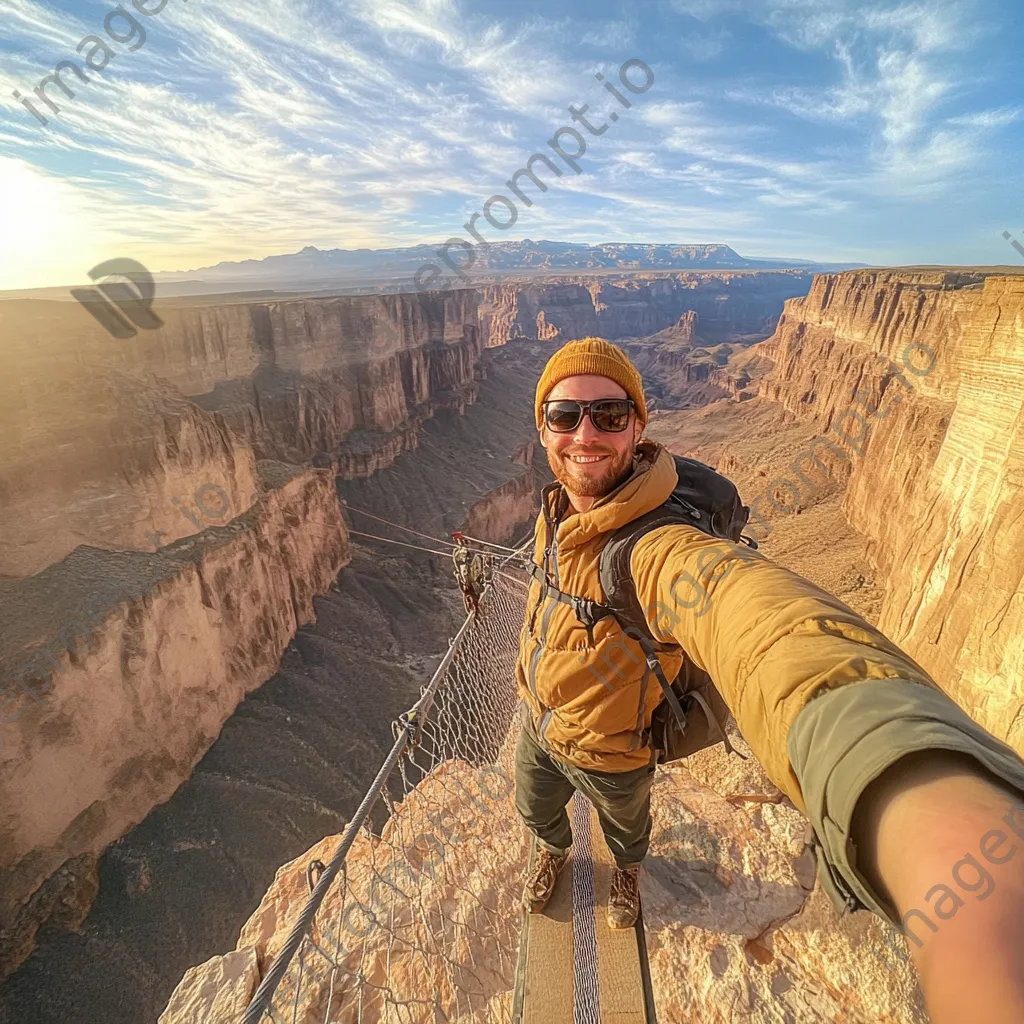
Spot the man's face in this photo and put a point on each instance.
(614, 463)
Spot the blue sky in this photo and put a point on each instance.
(887, 131)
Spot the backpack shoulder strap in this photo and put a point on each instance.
(587, 610)
(616, 577)
(702, 498)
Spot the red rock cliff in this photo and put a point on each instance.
(919, 380)
(119, 669)
(195, 459)
(106, 441)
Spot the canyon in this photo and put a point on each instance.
(720, 306)
(139, 478)
(172, 795)
(919, 378)
(117, 571)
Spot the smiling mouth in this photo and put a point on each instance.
(585, 460)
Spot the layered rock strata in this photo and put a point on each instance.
(194, 442)
(506, 506)
(107, 441)
(941, 445)
(154, 652)
(291, 763)
(639, 305)
(917, 380)
(681, 369)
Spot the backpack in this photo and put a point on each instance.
(709, 501)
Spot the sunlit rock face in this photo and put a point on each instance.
(727, 303)
(498, 513)
(918, 380)
(930, 474)
(119, 670)
(735, 930)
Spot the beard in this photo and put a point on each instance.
(584, 480)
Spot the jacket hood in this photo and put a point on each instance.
(652, 481)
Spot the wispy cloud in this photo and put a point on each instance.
(261, 126)
(898, 71)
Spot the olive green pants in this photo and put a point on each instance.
(544, 785)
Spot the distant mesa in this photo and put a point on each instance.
(310, 267)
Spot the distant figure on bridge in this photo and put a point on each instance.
(473, 571)
(899, 783)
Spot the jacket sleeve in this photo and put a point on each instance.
(769, 638)
(824, 699)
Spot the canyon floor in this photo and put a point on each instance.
(758, 441)
(736, 929)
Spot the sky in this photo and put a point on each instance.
(842, 130)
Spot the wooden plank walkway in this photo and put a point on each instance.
(547, 964)
(618, 955)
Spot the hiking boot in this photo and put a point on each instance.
(624, 900)
(540, 885)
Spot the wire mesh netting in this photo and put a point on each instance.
(419, 921)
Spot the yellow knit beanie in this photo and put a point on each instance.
(595, 356)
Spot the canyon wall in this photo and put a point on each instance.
(204, 342)
(106, 441)
(508, 505)
(728, 304)
(153, 653)
(918, 381)
(200, 459)
(292, 762)
(196, 463)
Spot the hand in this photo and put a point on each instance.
(926, 835)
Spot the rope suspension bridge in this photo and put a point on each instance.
(420, 920)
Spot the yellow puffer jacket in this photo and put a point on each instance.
(769, 638)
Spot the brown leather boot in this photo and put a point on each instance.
(540, 884)
(624, 900)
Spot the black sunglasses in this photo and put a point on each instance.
(610, 415)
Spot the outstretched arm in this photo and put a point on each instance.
(914, 805)
(933, 819)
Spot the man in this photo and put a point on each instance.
(473, 571)
(899, 784)
(468, 574)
